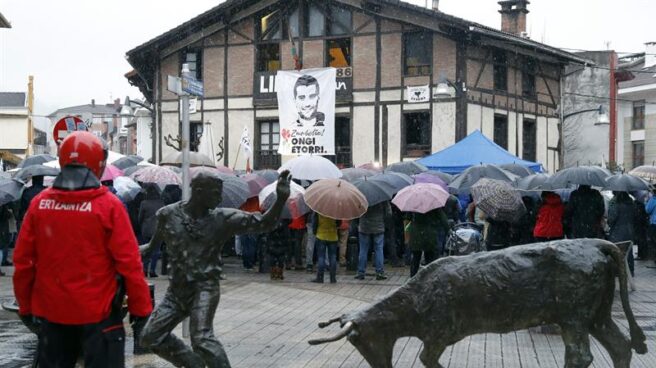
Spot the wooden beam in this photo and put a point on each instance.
(488, 52)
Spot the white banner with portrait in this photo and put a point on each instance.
(306, 105)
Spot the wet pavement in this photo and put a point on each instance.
(263, 323)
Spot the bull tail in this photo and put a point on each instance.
(347, 329)
(637, 335)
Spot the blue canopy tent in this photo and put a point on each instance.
(473, 150)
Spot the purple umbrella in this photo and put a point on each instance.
(421, 198)
(428, 178)
(255, 183)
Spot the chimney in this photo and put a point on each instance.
(650, 54)
(513, 16)
(436, 5)
(93, 103)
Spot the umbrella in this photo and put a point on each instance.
(337, 199)
(447, 178)
(195, 159)
(127, 161)
(235, 190)
(126, 188)
(255, 183)
(581, 175)
(311, 168)
(375, 191)
(533, 182)
(517, 169)
(498, 200)
(224, 169)
(28, 172)
(372, 166)
(133, 169)
(111, 172)
(294, 206)
(421, 198)
(407, 167)
(428, 178)
(10, 190)
(397, 180)
(36, 160)
(646, 172)
(626, 183)
(159, 175)
(268, 174)
(469, 177)
(353, 173)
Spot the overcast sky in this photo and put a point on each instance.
(76, 48)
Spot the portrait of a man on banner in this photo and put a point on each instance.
(306, 104)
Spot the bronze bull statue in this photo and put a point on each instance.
(570, 283)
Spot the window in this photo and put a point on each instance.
(638, 153)
(193, 59)
(271, 26)
(340, 20)
(343, 157)
(528, 78)
(417, 53)
(338, 52)
(501, 130)
(294, 23)
(417, 132)
(267, 156)
(529, 139)
(315, 21)
(195, 132)
(268, 57)
(500, 71)
(638, 115)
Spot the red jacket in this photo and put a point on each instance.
(71, 246)
(549, 223)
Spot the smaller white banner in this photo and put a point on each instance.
(418, 94)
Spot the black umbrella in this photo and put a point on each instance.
(376, 191)
(398, 181)
(36, 170)
(127, 161)
(36, 160)
(353, 173)
(447, 178)
(407, 167)
(581, 175)
(626, 183)
(533, 182)
(268, 174)
(10, 190)
(235, 190)
(472, 175)
(133, 169)
(517, 169)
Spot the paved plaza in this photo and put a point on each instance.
(267, 324)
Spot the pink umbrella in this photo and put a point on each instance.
(160, 175)
(428, 178)
(421, 198)
(371, 166)
(111, 172)
(255, 183)
(225, 170)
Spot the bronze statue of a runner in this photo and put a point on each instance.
(195, 232)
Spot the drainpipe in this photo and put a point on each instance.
(613, 109)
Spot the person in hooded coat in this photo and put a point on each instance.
(584, 212)
(424, 230)
(549, 222)
(148, 223)
(621, 219)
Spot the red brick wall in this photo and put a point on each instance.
(213, 71)
(240, 70)
(169, 66)
(313, 55)
(364, 62)
(444, 57)
(391, 60)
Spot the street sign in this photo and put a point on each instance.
(174, 84)
(192, 86)
(65, 126)
(193, 105)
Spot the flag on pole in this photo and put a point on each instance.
(245, 143)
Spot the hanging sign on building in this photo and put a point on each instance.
(418, 94)
(306, 105)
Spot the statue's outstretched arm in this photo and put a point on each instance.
(157, 239)
(240, 222)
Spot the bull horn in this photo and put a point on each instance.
(347, 328)
(330, 322)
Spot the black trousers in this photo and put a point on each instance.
(416, 260)
(102, 345)
(651, 240)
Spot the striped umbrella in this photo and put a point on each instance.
(498, 200)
